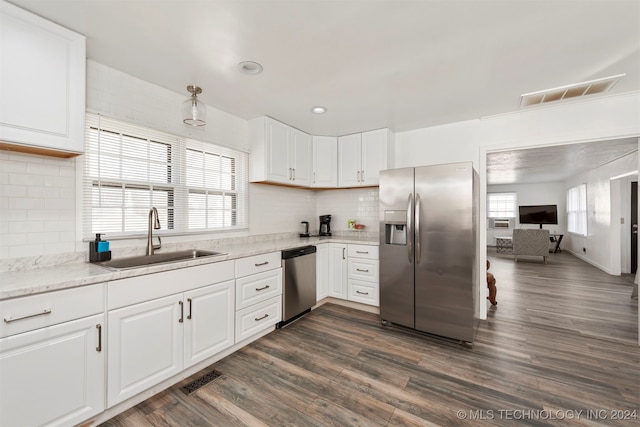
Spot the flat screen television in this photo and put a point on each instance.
(539, 214)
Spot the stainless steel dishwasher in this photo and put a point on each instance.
(299, 290)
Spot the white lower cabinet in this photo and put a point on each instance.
(338, 270)
(258, 294)
(145, 346)
(363, 274)
(53, 376)
(322, 271)
(151, 340)
(258, 317)
(155, 340)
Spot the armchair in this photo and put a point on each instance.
(531, 242)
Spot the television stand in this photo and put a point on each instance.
(556, 238)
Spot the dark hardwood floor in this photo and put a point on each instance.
(560, 348)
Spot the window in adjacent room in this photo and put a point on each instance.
(577, 210)
(196, 186)
(501, 205)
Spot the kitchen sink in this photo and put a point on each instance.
(143, 260)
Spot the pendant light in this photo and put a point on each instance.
(194, 112)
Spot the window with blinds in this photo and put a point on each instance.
(577, 210)
(501, 205)
(195, 186)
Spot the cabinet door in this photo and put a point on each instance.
(338, 270)
(42, 82)
(209, 321)
(145, 346)
(349, 160)
(301, 154)
(325, 161)
(54, 375)
(278, 153)
(322, 271)
(374, 156)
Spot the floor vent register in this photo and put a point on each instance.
(201, 382)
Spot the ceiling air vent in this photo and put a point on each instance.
(570, 91)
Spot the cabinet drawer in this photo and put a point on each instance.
(37, 311)
(251, 320)
(364, 292)
(362, 251)
(363, 269)
(257, 264)
(258, 287)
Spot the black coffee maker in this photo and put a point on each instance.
(325, 225)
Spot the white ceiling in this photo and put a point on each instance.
(373, 64)
(557, 163)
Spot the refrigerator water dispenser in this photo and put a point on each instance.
(395, 224)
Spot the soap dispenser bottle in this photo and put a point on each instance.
(99, 250)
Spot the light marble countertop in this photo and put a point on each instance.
(22, 282)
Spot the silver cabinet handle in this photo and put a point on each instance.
(190, 309)
(257, 319)
(314, 177)
(362, 175)
(362, 293)
(289, 174)
(99, 347)
(364, 271)
(358, 174)
(262, 289)
(418, 236)
(181, 319)
(260, 264)
(10, 319)
(343, 249)
(362, 252)
(294, 174)
(410, 228)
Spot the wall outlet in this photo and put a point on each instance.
(584, 250)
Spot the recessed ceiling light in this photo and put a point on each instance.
(318, 110)
(250, 67)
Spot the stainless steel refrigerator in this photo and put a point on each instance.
(428, 244)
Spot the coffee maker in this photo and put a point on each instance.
(325, 225)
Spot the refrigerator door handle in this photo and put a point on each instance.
(410, 228)
(418, 237)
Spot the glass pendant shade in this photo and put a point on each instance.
(194, 112)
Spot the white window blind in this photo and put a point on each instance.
(195, 186)
(577, 210)
(501, 205)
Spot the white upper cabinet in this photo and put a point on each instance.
(362, 156)
(42, 85)
(279, 153)
(325, 161)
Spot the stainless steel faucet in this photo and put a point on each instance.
(153, 224)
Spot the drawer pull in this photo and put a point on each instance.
(361, 270)
(262, 289)
(257, 319)
(99, 347)
(362, 252)
(261, 264)
(190, 309)
(43, 312)
(181, 319)
(362, 293)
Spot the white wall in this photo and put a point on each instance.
(591, 119)
(275, 209)
(37, 205)
(602, 243)
(546, 193)
(361, 204)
